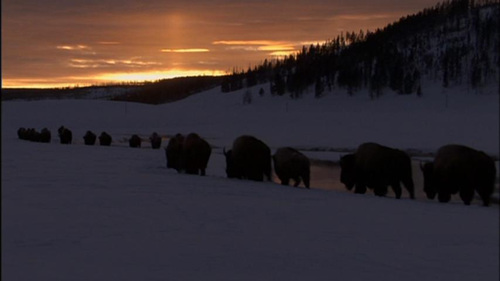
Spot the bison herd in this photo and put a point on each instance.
(31, 134)
(90, 138)
(455, 168)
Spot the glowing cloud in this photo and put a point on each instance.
(365, 17)
(283, 53)
(101, 63)
(194, 50)
(108, 43)
(246, 42)
(276, 48)
(73, 47)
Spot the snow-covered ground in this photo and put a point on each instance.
(75, 212)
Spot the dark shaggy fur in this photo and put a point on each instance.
(105, 139)
(155, 140)
(135, 141)
(377, 167)
(89, 138)
(459, 169)
(65, 135)
(195, 154)
(289, 164)
(249, 158)
(45, 136)
(173, 152)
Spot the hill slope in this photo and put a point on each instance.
(455, 43)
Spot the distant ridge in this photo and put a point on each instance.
(162, 91)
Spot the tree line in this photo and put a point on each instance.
(453, 43)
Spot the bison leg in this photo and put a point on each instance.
(306, 180)
(285, 181)
(349, 186)
(381, 190)
(297, 181)
(485, 197)
(360, 188)
(466, 194)
(444, 197)
(412, 193)
(254, 175)
(397, 190)
(202, 171)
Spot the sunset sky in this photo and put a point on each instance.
(56, 43)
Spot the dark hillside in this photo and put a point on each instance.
(170, 90)
(454, 43)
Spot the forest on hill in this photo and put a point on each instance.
(454, 43)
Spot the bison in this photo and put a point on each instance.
(459, 169)
(155, 140)
(105, 139)
(188, 154)
(195, 154)
(289, 164)
(173, 152)
(33, 135)
(249, 158)
(89, 138)
(45, 135)
(21, 133)
(135, 141)
(29, 134)
(65, 135)
(377, 167)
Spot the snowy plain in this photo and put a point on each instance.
(76, 212)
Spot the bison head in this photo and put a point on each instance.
(430, 188)
(231, 170)
(347, 170)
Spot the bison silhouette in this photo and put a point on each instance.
(249, 158)
(21, 133)
(135, 141)
(45, 136)
(89, 138)
(376, 167)
(65, 135)
(173, 152)
(29, 134)
(289, 163)
(459, 169)
(155, 140)
(105, 139)
(195, 154)
(188, 154)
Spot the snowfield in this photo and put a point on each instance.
(76, 212)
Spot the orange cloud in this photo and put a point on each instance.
(193, 50)
(99, 63)
(277, 48)
(73, 47)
